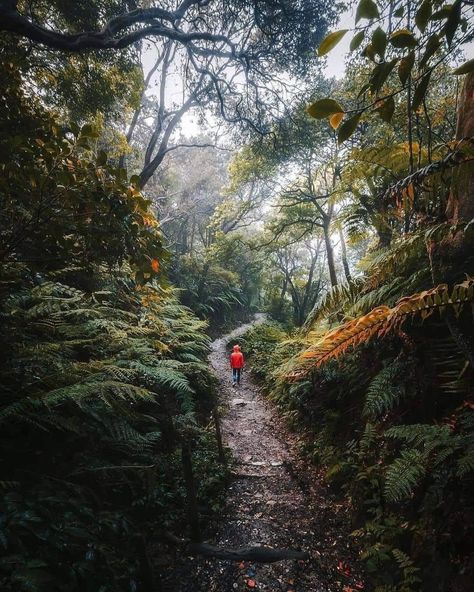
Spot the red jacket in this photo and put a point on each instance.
(237, 358)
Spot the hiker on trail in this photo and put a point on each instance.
(237, 364)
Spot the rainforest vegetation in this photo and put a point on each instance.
(168, 169)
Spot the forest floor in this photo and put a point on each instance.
(275, 499)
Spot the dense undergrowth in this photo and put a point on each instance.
(104, 380)
(213, 293)
(390, 419)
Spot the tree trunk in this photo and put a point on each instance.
(453, 256)
(461, 200)
(202, 281)
(138, 110)
(330, 254)
(281, 301)
(295, 300)
(345, 263)
(307, 291)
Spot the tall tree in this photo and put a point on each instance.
(230, 56)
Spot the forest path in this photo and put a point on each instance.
(274, 499)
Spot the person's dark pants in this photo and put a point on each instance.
(236, 372)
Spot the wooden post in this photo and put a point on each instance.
(217, 425)
(191, 497)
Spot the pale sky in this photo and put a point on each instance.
(336, 58)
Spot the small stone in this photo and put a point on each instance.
(236, 402)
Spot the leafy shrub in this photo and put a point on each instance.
(263, 347)
(103, 372)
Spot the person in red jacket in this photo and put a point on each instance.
(237, 363)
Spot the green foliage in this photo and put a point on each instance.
(391, 421)
(403, 475)
(264, 348)
(331, 41)
(78, 86)
(96, 387)
(103, 372)
(210, 290)
(58, 203)
(386, 389)
(393, 37)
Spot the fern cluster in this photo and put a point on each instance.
(98, 391)
(379, 381)
(103, 373)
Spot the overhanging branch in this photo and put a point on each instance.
(155, 22)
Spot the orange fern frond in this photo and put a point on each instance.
(381, 320)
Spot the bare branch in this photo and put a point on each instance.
(153, 20)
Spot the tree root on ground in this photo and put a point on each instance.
(257, 554)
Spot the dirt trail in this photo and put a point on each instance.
(271, 501)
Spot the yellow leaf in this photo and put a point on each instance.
(335, 120)
(331, 41)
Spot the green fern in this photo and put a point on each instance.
(386, 390)
(420, 434)
(404, 475)
(465, 464)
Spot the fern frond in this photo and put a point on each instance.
(465, 464)
(449, 365)
(408, 254)
(368, 437)
(9, 484)
(383, 319)
(404, 475)
(418, 434)
(106, 390)
(124, 435)
(385, 390)
(460, 156)
(160, 376)
(337, 299)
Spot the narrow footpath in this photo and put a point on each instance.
(274, 500)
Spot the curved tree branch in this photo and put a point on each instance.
(114, 35)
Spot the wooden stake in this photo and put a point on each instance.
(220, 446)
(192, 508)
